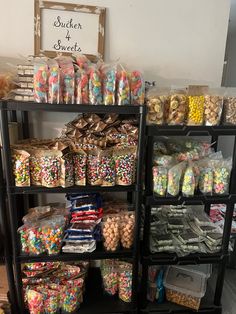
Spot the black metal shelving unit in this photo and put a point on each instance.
(211, 303)
(94, 300)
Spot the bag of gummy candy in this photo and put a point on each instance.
(95, 86)
(54, 82)
(123, 87)
(137, 88)
(40, 80)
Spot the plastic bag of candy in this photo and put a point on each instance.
(80, 163)
(21, 169)
(137, 88)
(160, 179)
(31, 238)
(221, 176)
(213, 106)
(178, 107)
(40, 80)
(67, 79)
(189, 182)
(175, 175)
(125, 281)
(123, 87)
(126, 227)
(158, 100)
(51, 168)
(110, 232)
(93, 167)
(107, 168)
(109, 73)
(125, 160)
(110, 276)
(52, 234)
(67, 169)
(54, 89)
(95, 86)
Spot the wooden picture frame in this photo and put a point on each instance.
(60, 23)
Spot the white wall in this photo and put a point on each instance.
(171, 39)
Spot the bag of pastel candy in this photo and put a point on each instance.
(160, 179)
(40, 80)
(67, 79)
(110, 276)
(54, 90)
(81, 86)
(21, 170)
(52, 234)
(221, 175)
(158, 100)
(189, 180)
(175, 175)
(109, 73)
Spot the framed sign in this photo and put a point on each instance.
(64, 28)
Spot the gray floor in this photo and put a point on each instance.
(229, 292)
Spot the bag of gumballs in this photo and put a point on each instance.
(157, 100)
(196, 104)
(21, 170)
(52, 234)
(110, 276)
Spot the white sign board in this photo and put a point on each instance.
(69, 28)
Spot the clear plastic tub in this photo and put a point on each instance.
(185, 287)
(201, 269)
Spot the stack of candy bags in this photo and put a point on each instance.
(189, 166)
(84, 229)
(43, 229)
(183, 230)
(93, 149)
(53, 287)
(76, 80)
(117, 278)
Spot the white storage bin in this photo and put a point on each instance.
(185, 287)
